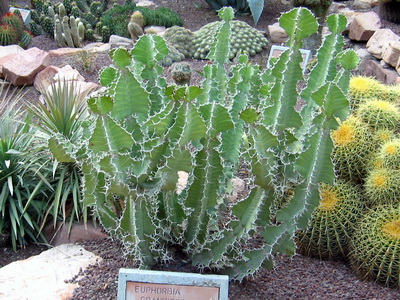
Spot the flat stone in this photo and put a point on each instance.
(154, 29)
(65, 52)
(145, 3)
(363, 26)
(79, 232)
(373, 68)
(380, 38)
(277, 34)
(43, 276)
(97, 47)
(391, 53)
(22, 68)
(120, 40)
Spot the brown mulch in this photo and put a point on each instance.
(293, 278)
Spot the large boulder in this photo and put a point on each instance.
(379, 39)
(22, 68)
(363, 26)
(6, 53)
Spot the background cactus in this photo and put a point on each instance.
(146, 132)
(181, 39)
(12, 31)
(375, 246)
(244, 39)
(136, 25)
(69, 32)
(389, 154)
(332, 222)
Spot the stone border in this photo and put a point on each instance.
(173, 279)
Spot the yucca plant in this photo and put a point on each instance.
(21, 182)
(63, 113)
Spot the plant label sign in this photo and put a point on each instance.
(134, 284)
(25, 14)
(276, 51)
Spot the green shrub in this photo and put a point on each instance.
(117, 18)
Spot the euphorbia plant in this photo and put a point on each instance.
(146, 133)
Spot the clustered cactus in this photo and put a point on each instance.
(367, 155)
(244, 39)
(136, 25)
(12, 30)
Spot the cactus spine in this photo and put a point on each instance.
(146, 133)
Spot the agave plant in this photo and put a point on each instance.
(21, 182)
(64, 113)
(255, 7)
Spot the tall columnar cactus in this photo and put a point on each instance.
(69, 32)
(147, 133)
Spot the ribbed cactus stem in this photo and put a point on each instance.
(67, 32)
(77, 31)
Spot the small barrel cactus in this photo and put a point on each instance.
(181, 73)
(135, 25)
(379, 114)
(382, 186)
(8, 35)
(362, 87)
(25, 39)
(375, 245)
(332, 222)
(352, 149)
(244, 39)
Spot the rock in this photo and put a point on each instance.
(120, 40)
(22, 68)
(145, 3)
(154, 29)
(364, 25)
(363, 54)
(52, 74)
(336, 7)
(79, 232)
(277, 34)
(380, 38)
(65, 52)
(373, 68)
(365, 4)
(384, 64)
(97, 47)
(391, 53)
(6, 53)
(238, 186)
(45, 276)
(45, 78)
(182, 181)
(398, 69)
